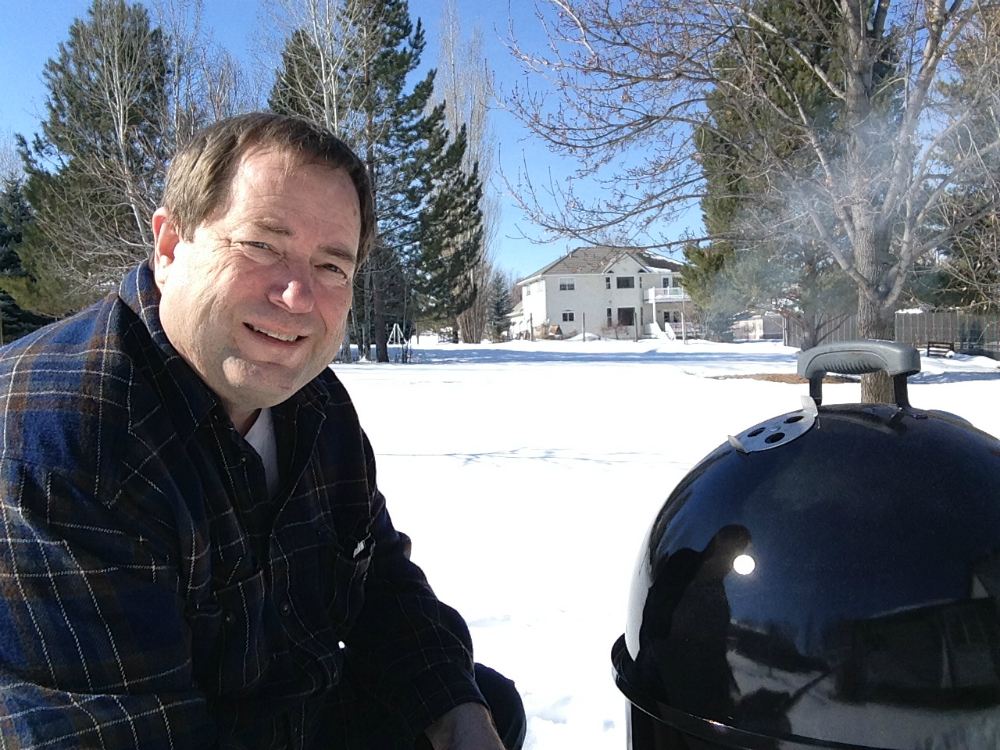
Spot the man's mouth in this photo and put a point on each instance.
(289, 337)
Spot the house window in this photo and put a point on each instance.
(568, 316)
(666, 282)
(607, 282)
(626, 282)
(626, 316)
(567, 284)
(609, 317)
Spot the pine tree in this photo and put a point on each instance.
(298, 84)
(15, 217)
(313, 81)
(391, 141)
(703, 276)
(501, 303)
(450, 230)
(95, 172)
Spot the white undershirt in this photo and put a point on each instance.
(261, 439)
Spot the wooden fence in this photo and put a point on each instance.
(972, 334)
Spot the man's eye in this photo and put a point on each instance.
(258, 250)
(333, 275)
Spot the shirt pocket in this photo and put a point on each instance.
(229, 637)
(344, 563)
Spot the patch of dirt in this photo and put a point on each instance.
(781, 377)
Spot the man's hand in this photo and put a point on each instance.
(465, 727)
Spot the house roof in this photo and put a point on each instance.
(597, 259)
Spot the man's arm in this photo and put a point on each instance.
(94, 648)
(414, 652)
(465, 727)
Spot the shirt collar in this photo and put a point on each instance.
(174, 376)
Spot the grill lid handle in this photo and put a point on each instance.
(857, 358)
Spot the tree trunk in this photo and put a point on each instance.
(364, 339)
(382, 258)
(872, 233)
(875, 314)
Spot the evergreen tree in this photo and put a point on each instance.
(297, 84)
(450, 230)
(703, 277)
(15, 216)
(313, 81)
(501, 303)
(391, 140)
(95, 172)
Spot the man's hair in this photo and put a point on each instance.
(200, 176)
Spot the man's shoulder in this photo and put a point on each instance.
(68, 382)
(66, 359)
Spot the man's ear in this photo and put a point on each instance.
(166, 237)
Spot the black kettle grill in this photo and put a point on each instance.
(825, 579)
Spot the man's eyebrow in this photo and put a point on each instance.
(273, 228)
(340, 253)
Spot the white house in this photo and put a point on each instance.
(608, 291)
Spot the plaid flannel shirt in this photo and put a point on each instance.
(153, 596)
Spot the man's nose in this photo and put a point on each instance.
(293, 289)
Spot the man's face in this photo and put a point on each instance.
(256, 302)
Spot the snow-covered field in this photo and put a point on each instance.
(527, 474)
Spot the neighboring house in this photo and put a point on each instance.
(517, 327)
(757, 326)
(608, 291)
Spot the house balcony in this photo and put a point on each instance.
(657, 295)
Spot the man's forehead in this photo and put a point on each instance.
(261, 171)
(287, 160)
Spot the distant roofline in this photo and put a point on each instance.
(614, 254)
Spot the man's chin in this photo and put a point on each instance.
(260, 385)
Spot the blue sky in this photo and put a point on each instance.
(30, 32)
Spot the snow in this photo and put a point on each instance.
(527, 474)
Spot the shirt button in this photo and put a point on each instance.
(228, 618)
(285, 608)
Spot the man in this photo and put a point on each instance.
(194, 550)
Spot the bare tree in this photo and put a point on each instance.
(973, 266)
(633, 77)
(464, 82)
(317, 42)
(10, 162)
(95, 173)
(208, 82)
